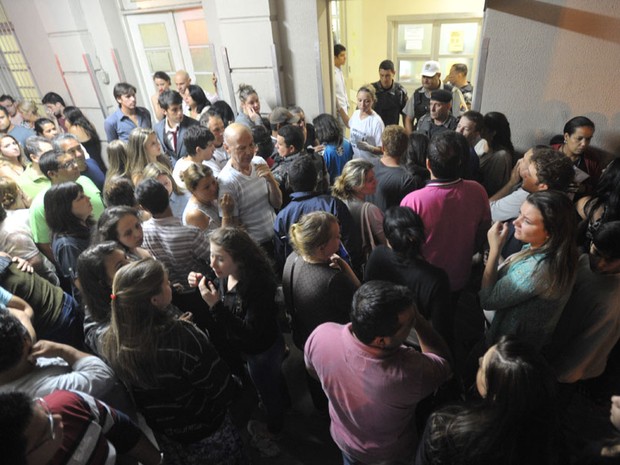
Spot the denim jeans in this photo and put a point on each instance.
(69, 327)
(265, 371)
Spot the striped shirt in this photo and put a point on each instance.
(193, 386)
(181, 248)
(251, 196)
(93, 433)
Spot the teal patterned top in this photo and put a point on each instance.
(520, 307)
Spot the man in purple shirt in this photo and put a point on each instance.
(372, 381)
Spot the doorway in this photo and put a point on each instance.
(408, 33)
(171, 41)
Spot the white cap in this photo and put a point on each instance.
(431, 68)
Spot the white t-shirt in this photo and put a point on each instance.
(251, 197)
(341, 90)
(218, 161)
(368, 130)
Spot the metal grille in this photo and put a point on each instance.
(15, 76)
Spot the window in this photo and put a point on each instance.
(15, 76)
(446, 40)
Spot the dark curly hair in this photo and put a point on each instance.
(255, 268)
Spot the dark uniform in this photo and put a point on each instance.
(390, 102)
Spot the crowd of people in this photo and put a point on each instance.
(140, 289)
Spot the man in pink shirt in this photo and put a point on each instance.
(372, 381)
(455, 211)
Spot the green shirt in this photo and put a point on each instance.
(40, 230)
(32, 182)
(46, 299)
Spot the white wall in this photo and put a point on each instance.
(300, 54)
(551, 60)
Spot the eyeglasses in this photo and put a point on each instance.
(48, 412)
(67, 165)
(41, 402)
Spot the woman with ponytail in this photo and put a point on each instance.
(177, 379)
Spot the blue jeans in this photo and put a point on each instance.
(69, 327)
(265, 371)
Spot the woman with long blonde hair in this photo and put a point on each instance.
(318, 285)
(29, 111)
(143, 148)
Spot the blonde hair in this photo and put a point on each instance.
(194, 174)
(117, 158)
(244, 91)
(29, 106)
(130, 343)
(370, 89)
(137, 158)
(351, 179)
(394, 140)
(155, 169)
(311, 232)
(10, 192)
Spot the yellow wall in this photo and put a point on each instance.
(367, 31)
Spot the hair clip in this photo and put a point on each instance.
(113, 296)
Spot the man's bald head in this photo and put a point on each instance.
(182, 80)
(239, 144)
(234, 130)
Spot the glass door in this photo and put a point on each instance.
(169, 42)
(195, 48)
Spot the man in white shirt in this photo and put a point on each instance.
(539, 170)
(249, 181)
(41, 367)
(342, 102)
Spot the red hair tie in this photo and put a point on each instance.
(113, 296)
